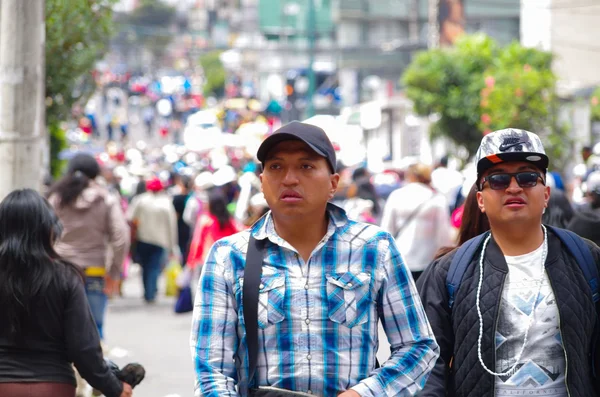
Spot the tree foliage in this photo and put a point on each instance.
(478, 86)
(77, 34)
(595, 104)
(214, 73)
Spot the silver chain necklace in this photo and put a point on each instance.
(533, 305)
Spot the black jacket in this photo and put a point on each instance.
(457, 329)
(63, 332)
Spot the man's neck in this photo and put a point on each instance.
(518, 240)
(302, 234)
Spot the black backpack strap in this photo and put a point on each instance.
(252, 277)
(582, 254)
(458, 266)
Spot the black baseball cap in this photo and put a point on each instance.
(310, 134)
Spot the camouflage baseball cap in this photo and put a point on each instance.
(510, 144)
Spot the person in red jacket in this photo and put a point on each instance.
(211, 226)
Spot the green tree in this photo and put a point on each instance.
(448, 82)
(477, 86)
(595, 104)
(214, 73)
(77, 34)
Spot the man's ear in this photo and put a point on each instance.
(261, 181)
(480, 203)
(335, 180)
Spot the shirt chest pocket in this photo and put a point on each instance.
(271, 300)
(349, 298)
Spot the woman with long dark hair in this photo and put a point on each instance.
(46, 322)
(92, 219)
(212, 225)
(473, 222)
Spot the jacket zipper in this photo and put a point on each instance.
(562, 338)
(495, 330)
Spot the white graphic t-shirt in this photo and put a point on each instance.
(541, 370)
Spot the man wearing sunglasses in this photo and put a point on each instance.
(522, 319)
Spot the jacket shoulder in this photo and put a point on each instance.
(436, 272)
(442, 264)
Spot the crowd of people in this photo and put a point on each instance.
(477, 278)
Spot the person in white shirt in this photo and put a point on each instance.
(155, 221)
(447, 181)
(417, 216)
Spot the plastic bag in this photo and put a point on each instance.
(184, 302)
(184, 279)
(172, 272)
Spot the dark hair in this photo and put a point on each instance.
(217, 206)
(473, 222)
(81, 170)
(594, 196)
(444, 161)
(366, 190)
(186, 181)
(360, 172)
(28, 263)
(559, 211)
(140, 187)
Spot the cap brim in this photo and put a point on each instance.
(274, 139)
(540, 160)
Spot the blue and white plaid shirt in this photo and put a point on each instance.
(318, 320)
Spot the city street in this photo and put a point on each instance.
(154, 336)
(158, 338)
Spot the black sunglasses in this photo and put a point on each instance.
(502, 181)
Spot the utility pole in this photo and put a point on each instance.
(433, 40)
(312, 39)
(413, 25)
(22, 111)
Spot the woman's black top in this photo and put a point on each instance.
(62, 332)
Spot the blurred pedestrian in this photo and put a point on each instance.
(586, 220)
(180, 201)
(559, 211)
(213, 225)
(447, 181)
(93, 219)
(321, 282)
(148, 116)
(46, 322)
(196, 205)
(108, 122)
(155, 221)
(362, 203)
(225, 180)
(417, 216)
(257, 208)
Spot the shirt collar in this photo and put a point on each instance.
(265, 227)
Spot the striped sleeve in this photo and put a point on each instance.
(214, 337)
(413, 345)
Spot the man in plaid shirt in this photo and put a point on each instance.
(326, 281)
